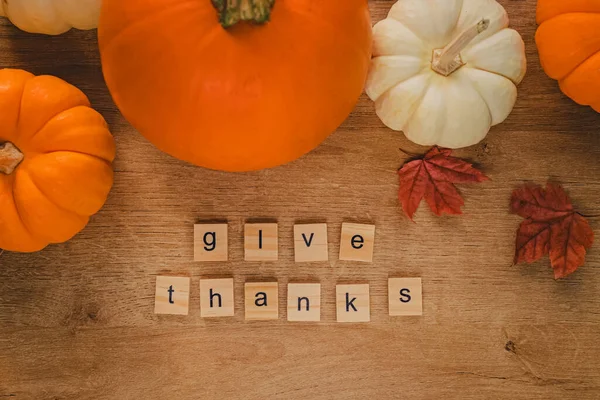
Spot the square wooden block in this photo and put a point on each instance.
(172, 295)
(353, 303)
(405, 296)
(310, 242)
(210, 242)
(262, 300)
(216, 298)
(304, 302)
(357, 242)
(260, 242)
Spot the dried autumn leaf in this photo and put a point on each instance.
(533, 241)
(539, 204)
(552, 227)
(433, 178)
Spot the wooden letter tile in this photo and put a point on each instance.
(357, 242)
(262, 300)
(353, 303)
(304, 302)
(210, 242)
(172, 295)
(405, 296)
(310, 242)
(216, 298)
(260, 242)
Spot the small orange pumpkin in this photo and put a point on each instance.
(55, 161)
(235, 85)
(568, 41)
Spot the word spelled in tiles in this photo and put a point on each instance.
(261, 299)
(261, 242)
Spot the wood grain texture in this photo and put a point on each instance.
(77, 322)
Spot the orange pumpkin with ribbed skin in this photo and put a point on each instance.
(235, 96)
(568, 41)
(55, 161)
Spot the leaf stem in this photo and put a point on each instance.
(408, 153)
(589, 216)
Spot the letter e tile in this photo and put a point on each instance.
(357, 242)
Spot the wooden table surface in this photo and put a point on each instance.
(77, 322)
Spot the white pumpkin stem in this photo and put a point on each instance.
(10, 157)
(447, 60)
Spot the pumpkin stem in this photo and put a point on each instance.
(233, 11)
(447, 60)
(10, 158)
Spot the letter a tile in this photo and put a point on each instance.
(262, 300)
(172, 295)
(353, 303)
(210, 242)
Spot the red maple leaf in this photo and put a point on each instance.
(433, 178)
(551, 227)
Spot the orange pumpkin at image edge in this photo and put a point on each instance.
(568, 40)
(235, 91)
(55, 161)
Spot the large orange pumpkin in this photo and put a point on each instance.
(568, 41)
(235, 84)
(55, 161)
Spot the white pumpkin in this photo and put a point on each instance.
(445, 71)
(51, 17)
